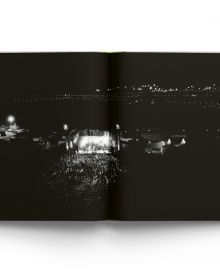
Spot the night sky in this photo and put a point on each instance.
(165, 69)
(58, 73)
(49, 73)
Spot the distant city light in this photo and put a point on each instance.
(11, 119)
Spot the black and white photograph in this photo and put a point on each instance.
(90, 136)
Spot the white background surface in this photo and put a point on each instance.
(109, 250)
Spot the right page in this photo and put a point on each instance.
(166, 107)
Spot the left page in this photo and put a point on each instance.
(52, 115)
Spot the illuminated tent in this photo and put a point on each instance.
(182, 143)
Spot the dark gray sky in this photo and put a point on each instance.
(165, 69)
(26, 74)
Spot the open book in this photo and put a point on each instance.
(94, 136)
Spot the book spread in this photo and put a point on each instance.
(123, 136)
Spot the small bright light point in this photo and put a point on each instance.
(65, 126)
(11, 119)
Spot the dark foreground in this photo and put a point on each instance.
(181, 185)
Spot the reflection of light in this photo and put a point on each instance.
(168, 141)
(117, 126)
(11, 119)
(71, 144)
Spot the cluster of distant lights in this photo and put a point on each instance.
(157, 88)
(106, 93)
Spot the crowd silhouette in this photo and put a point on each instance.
(77, 174)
